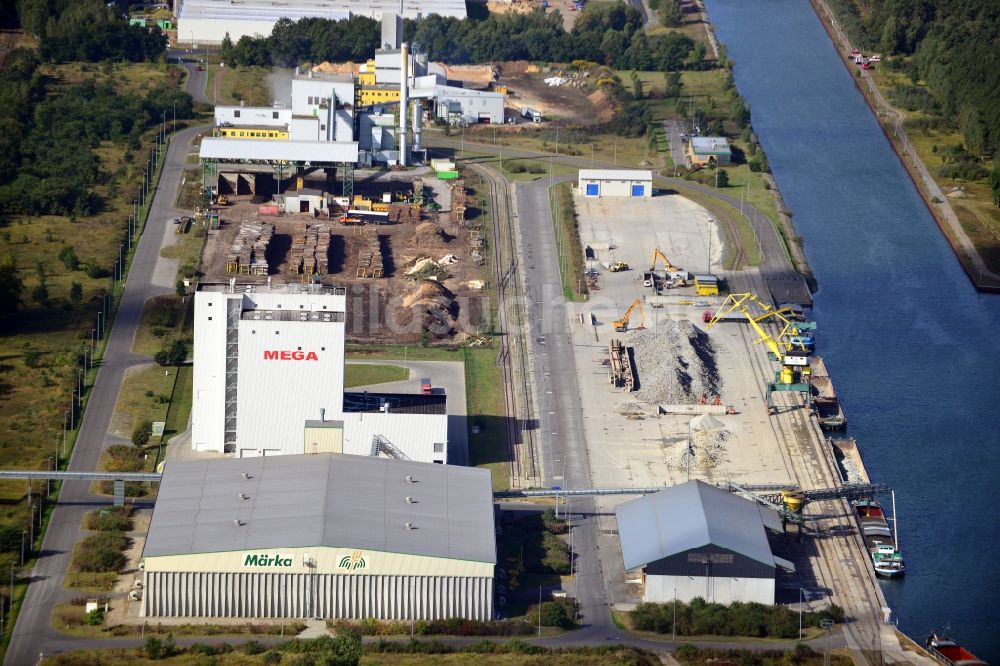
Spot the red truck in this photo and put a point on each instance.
(425, 386)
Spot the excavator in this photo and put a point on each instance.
(667, 266)
(794, 372)
(622, 324)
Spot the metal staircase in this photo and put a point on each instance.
(382, 445)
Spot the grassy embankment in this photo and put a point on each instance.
(568, 245)
(932, 140)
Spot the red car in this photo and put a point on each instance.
(199, 67)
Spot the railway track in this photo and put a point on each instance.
(511, 357)
(838, 561)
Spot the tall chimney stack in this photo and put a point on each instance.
(404, 75)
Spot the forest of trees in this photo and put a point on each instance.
(955, 49)
(87, 30)
(610, 34)
(47, 163)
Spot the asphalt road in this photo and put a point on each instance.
(564, 448)
(33, 631)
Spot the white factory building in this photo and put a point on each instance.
(615, 183)
(269, 380)
(202, 22)
(697, 540)
(315, 125)
(320, 536)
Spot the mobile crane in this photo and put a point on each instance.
(621, 325)
(794, 372)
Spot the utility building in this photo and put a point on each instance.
(708, 151)
(320, 536)
(696, 540)
(615, 183)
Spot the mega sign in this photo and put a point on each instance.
(280, 561)
(270, 355)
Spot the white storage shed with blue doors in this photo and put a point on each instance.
(615, 183)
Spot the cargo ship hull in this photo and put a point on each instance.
(879, 539)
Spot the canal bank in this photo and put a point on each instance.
(906, 337)
(937, 203)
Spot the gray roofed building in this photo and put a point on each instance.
(691, 536)
(336, 501)
(691, 515)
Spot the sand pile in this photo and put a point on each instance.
(676, 363)
(602, 103)
(705, 451)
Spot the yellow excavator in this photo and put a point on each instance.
(622, 324)
(667, 266)
(794, 366)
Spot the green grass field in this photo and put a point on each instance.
(568, 245)
(145, 394)
(358, 374)
(243, 84)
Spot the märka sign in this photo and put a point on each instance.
(263, 560)
(270, 355)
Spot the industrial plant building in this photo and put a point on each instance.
(615, 183)
(320, 536)
(696, 540)
(201, 22)
(335, 122)
(269, 381)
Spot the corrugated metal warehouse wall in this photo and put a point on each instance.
(303, 595)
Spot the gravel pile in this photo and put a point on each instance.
(850, 469)
(706, 451)
(676, 364)
(629, 407)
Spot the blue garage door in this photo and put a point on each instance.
(638, 190)
(593, 189)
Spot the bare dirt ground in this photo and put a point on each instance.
(526, 87)
(397, 308)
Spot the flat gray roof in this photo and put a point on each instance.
(693, 515)
(338, 501)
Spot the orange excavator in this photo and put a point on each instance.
(622, 324)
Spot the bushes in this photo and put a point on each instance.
(738, 619)
(172, 353)
(100, 553)
(122, 458)
(556, 613)
(142, 432)
(116, 519)
(556, 557)
(455, 626)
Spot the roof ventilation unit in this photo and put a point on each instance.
(409, 500)
(409, 479)
(238, 523)
(408, 526)
(244, 496)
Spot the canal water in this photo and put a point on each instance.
(911, 346)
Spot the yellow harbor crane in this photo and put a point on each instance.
(794, 372)
(622, 324)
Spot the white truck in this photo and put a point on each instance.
(531, 114)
